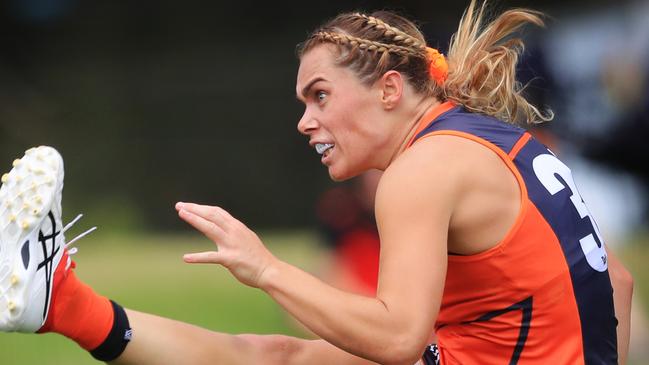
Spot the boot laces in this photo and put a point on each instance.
(74, 250)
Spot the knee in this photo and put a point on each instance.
(273, 349)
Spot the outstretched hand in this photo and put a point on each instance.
(239, 249)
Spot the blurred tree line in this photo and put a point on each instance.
(155, 102)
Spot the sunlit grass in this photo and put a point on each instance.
(145, 272)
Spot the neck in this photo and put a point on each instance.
(410, 126)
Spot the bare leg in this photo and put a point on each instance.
(285, 350)
(162, 341)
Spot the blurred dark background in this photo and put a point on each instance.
(155, 102)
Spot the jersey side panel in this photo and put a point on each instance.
(593, 290)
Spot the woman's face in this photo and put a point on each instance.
(342, 117)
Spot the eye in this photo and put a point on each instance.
(320, 95)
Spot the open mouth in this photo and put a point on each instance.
(321, 148)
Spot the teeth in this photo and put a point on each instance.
(322, 147)
(16, 162)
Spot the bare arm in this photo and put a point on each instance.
(413, 218)
(622, 282)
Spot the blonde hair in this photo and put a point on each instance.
(482, 57)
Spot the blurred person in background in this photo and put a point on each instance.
(346, 213)
(485, 240)
(598, 63)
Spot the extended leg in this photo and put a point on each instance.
(158, 340)
(39, 291)
(162, 341)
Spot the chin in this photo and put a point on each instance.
(338, 175)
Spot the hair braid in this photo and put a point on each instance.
(370, 45)
(482, 57)
(366, 44)
(390, 31)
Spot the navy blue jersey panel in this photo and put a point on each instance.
(501, 134)
(593, 291)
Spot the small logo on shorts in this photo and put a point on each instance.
(128, 335)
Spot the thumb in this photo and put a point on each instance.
(209, 257)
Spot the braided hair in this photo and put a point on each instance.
(482, 57)
(373, 44)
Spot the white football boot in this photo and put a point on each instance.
(32, 245)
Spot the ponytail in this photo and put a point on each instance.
(483, 58)
(481, 73)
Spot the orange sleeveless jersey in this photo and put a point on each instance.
(543, 294)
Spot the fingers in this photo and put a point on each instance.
(209, 257)
(209, 229)
(213, 214)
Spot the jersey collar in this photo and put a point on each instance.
(429, 117)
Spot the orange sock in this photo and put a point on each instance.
(77, 312)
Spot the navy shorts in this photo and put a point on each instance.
(431, 355)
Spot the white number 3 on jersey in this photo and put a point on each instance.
(546, 167)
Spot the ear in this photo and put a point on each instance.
(391, 89)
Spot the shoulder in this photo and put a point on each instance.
(444, 159)
(433, 169)
(439, 168)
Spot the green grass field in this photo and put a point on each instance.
(145, 272)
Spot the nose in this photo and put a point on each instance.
(307, 123)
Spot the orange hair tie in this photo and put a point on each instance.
(437, 68)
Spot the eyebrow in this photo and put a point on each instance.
(308, 86)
